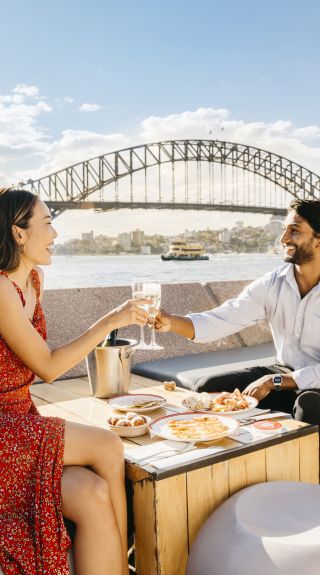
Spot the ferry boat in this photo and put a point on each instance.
(182, 251)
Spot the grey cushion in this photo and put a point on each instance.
(266, 529)
(187, 370)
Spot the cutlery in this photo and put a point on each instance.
(146, 404)
(252, 419)
(167, 453)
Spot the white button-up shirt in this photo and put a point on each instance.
(294, 322)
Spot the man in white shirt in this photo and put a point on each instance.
(289, 298)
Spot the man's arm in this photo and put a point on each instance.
(262, 386)
(174, 323)
(222, 321)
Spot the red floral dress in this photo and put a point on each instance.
(33, 538)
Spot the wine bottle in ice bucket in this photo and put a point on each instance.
(111, 339)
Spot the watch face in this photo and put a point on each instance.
(277, 379)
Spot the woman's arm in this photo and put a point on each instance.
(20, 335)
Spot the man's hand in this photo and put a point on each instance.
(260, 388)
(162, 321)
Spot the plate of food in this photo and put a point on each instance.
(138, 402)
(129, 424)
(190, 426)
(226, 403)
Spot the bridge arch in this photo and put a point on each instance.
(71, 188)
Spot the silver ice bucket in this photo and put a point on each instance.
(109, 368)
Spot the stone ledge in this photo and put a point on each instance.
(69, 312)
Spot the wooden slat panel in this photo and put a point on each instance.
(172, 525)
(203, 501)
(247, 470)
(38, 401)
(49, 410)
(52, 393)
(282, 461)
(77, 386)
(144, 381)
(145, 527)
(309, 458)
(256, 467)
(237, 474)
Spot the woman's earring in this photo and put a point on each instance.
(21, 248)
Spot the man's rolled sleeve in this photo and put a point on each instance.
(231, 316)
(202, 331)
(307, 377)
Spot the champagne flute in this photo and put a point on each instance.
(137, 293)
(152, 291)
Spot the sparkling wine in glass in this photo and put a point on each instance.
(137, 293)
(152, 291)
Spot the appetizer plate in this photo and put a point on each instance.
(129, 401)
(162, 427)
(252, 401)
(132, 431)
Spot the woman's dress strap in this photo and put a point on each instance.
(16, 286)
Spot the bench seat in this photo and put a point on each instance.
(188, 370)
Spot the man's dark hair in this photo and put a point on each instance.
(309, 210)
(16, 208)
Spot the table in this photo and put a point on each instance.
(170, 505)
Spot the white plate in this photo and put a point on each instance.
(253, 402)
(160, 426)
(132, 431)
(125, 402)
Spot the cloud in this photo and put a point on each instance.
(12, 99)
(89, 107)
(28, 150)
(281, 137)
(73, 147)
(30, 91)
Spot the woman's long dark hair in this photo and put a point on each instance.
(16, 208)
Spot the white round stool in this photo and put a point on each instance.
(266, 529)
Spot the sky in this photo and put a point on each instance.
(79, 79)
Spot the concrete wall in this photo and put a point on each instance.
(70, 312)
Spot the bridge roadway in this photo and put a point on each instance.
(56, 207)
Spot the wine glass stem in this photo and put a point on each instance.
(153, 339)
(141, 335)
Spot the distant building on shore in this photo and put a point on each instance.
(137, 237)
(87, 237)
(274, 227)
(124, 241)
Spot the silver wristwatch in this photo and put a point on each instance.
(277, 382)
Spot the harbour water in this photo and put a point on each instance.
(94, 271)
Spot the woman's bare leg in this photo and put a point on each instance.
(102, 450)
(87, 502)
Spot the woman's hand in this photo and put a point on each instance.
(162, 321)
(128, 313)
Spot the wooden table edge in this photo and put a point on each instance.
(138, 473)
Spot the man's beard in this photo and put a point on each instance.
(301, 255)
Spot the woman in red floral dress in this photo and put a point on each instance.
(50, 467)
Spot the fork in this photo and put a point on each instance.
(167, 453)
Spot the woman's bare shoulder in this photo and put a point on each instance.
(7, 291)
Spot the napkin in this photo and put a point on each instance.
(248, 433)
(197, 453)
(154, 449)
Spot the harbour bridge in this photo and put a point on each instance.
(180, 174)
